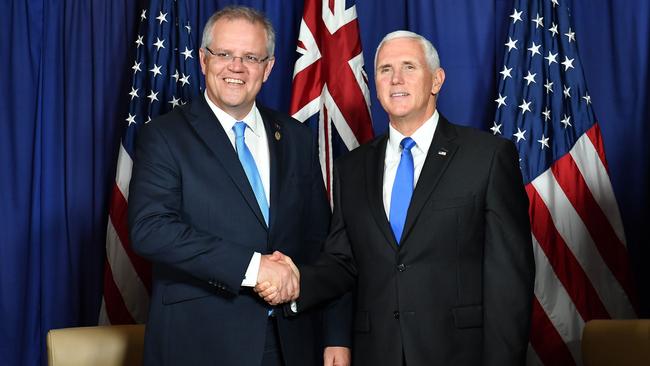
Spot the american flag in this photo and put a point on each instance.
(543, 105)
(165, 75)
(330, 86)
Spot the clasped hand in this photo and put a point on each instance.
(278, 280)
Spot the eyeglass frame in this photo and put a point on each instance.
(227, 58)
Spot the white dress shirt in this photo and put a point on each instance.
(257, 143)
(422, 137)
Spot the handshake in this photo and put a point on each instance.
(278, 279)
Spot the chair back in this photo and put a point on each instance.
(616, 342)
(115, 345)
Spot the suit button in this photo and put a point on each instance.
(401, 267)
(396, 314)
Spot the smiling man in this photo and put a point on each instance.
(431, 224)
(217, 185)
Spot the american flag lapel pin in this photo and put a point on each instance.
(442, 152)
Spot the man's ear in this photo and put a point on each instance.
(268, 67)
(203, 58)
(438, 80)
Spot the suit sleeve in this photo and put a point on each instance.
(158, 230)
(337, 321)
(334, 272)
(337, 314)
(509, 267)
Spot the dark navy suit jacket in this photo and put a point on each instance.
(193, 214)
(458, 289)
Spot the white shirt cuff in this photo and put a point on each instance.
(250, 280)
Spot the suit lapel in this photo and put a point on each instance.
(210, 131)
(374, 182)
(440, 154)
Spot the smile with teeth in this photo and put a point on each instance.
(233, 81)
(399, 94)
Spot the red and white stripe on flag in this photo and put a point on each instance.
(581, 258)
(329, 82)
(127, 277)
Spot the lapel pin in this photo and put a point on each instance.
(442, 152)
(277, 135)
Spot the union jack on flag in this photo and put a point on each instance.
(330, 86)
(165, 75)
(581, 259)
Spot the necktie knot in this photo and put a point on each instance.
(407, 143)
(239, 128)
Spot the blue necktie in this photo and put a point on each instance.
(402, 189)
(248, 163)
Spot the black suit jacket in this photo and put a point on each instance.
(458, 289)
(193, 214)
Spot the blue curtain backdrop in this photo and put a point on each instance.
(65, 76)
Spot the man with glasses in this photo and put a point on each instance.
(218, 185)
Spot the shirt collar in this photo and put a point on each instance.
(227, 121)
(422, 136)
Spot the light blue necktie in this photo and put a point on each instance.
(402, 189)
(248, 163)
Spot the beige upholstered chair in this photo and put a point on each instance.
(116, 345)
(616, 342)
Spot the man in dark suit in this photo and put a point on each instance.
(431, 224)
(217, 185)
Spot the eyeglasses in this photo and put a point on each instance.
(225, 57)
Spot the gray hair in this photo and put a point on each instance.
(240, 12)
(430, 53)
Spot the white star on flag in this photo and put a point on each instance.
(501, 100)
(520, 135)
(134, 93)
(543, 141)
(187, 53)
(551, 57)
(496, 128)
(534, 49)
(516, 16)
(506, 72)
(524, 106)
(511, 44)
(162, 17)
(530, 78)
(159, 44)
(156, 70)
(568, 63)
(153, 96)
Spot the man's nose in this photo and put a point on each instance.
(397, 77)
(237, 63)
